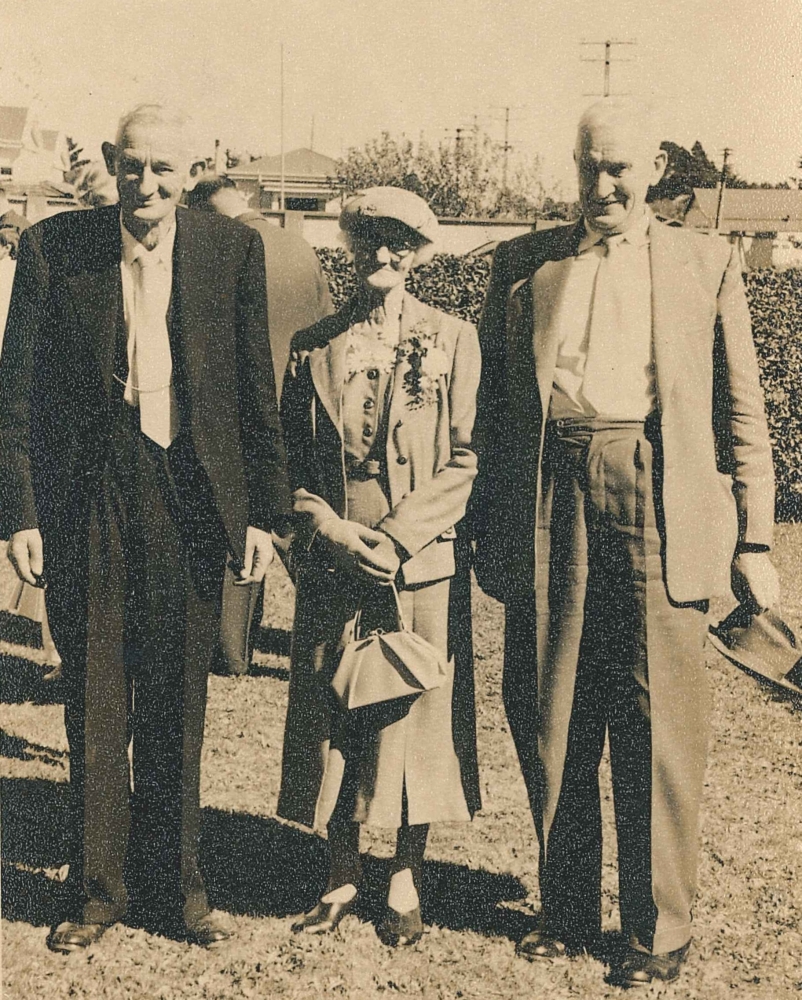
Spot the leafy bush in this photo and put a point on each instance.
(775, 301)
(457, 285)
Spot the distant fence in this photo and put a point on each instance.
(457, 236)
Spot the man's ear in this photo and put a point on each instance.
(197, 171)
(660, 164)
(110, 157)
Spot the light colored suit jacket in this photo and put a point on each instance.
(715, 483)
(431, 465)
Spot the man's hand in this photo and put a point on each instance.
(26, 552)
(755, 581)
(355, 548)
(258, 556)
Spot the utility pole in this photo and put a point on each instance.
(312, 136)
(281, 130)
(727, 153)
(608, 44)
(506, 147)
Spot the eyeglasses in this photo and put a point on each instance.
(398, 248)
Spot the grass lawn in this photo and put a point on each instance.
(481, 878)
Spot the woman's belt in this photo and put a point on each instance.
(370, 468)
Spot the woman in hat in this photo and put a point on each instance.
(378, 409)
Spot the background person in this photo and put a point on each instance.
(378, 410)
(619, 382)
(297, 297)
(139, 443)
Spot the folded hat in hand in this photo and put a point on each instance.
(762, 644)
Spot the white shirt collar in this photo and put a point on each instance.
(637, 234)
(162, 252)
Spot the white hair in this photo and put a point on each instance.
(640, 118)
(157, 114)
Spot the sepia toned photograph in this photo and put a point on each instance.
(400, 499)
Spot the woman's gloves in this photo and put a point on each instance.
(354, 548)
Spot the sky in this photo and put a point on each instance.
(726, 72)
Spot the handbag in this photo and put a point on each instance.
(382, 666)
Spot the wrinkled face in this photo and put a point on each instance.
(384, 254)
(615, 167)
(152, 167)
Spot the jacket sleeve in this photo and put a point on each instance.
(17, 506)
(492, 394)
(263, 445)
(742, 432)
(436, 505)
(298, 402)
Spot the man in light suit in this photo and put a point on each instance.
(297, 297)
(139, 445)
(626, 477)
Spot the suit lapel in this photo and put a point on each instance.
(96, 288)
(327, 366)
(412, 312)
(547, 284)
(673, 309)
(194, 271)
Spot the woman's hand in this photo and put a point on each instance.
(356, 548)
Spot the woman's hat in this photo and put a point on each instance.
(761, 644)
(390, 203)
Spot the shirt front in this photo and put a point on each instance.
(630, 391)
(160, 259)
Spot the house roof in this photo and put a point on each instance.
(12, 124)
(49, 138)
(747, 210)
(298, 163)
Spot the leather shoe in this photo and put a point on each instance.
(211, 929)
(69, 936)
(539, 944)
(324, 918)
(639, 968)
(400, 928)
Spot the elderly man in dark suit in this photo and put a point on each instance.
(297, 297)
(139, 446)
(626, 477)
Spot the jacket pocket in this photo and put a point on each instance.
(434, 562)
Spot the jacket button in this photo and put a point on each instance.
(402, 460)
(373, 373)
(369, 404)
(367, 432)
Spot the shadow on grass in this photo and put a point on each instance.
(273, 640)
(21, 681)
(252, 865)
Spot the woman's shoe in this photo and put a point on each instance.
(324, 918)
(539, 944)
(400, 928)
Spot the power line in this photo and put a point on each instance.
(727, 152)
(607, 60)
(506, 147)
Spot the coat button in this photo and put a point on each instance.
(369, 404)
(367, 431)
(402, 460)
(373, 373)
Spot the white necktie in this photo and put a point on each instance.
(153, 363)
(605, 366)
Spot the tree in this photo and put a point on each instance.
(459, 179)
(76, 163)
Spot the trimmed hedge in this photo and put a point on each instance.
(457, 285)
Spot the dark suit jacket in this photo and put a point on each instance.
(297, 292)
(714, 479)
(58, 361)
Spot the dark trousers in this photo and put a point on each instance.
(137, 607)
(241, 617)
(601, 649)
